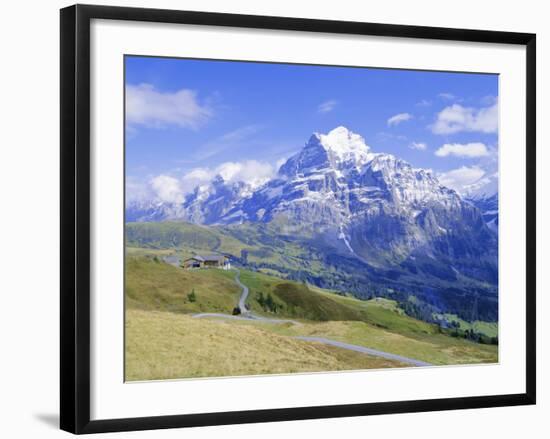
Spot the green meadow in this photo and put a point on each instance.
(164, 340)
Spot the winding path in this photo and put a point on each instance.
(364, 350)
(244, 294)
(246, 314)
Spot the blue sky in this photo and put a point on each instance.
(192, 117)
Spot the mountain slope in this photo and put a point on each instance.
(345, 218)
(376, 207)
(163, 340)
(488, 206)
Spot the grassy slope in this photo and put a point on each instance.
(184, 237)
(139, 251)
(163, 345)
(262, 245)
(286, 255)
(434, 348)
(490, 329)
(295, 300)
(376, 323)
(156, 351)
(159, 286)
(301, 301)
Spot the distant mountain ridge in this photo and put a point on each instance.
(488, 205)
(373, 208)
(374, 205)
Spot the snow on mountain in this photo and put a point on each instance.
(484, 195)
(373, 206)
(484, 188)
(346, 150)
(153, 210)
(205, 205)
(335, 177)
(407, 185)
(488, 205)
(340, 150)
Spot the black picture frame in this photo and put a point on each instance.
(75, 217)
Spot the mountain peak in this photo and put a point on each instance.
(218, 180)
(340, 149)
(346, 149)
(344, 144)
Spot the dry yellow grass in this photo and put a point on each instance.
(437, 349)
(163, 345)
(164, 342)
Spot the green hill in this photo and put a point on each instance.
(257, 245)
(154, 285)
(299, 300)
(184, 237)
(266, 248)
(163, 341)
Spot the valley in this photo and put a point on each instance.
(341, 217)
(262, 248)
(344, 258)
(165, 339)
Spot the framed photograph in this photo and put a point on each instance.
(268, 218)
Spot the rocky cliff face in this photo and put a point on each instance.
(373, 207)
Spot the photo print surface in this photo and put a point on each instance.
(286, 218)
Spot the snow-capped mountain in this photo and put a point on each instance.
(372, 206)
(205, 205)
(484, 195)
(208, 203)
(488, 205)
(339, 150)
(153, 210)
(338, 171)
(484, 188)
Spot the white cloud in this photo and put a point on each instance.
(194, 178)
(398, 118)
(147, 106)
(488, 100)
(423, 103)
(447, 96)
(327, 106)
(467, 150)
(459, 179)
(167, 189)
(199, 174)
(252, 172)
(457, 118)
(137, 190)
(421, 146)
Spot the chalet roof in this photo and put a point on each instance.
(208, 258)
(213, 258)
